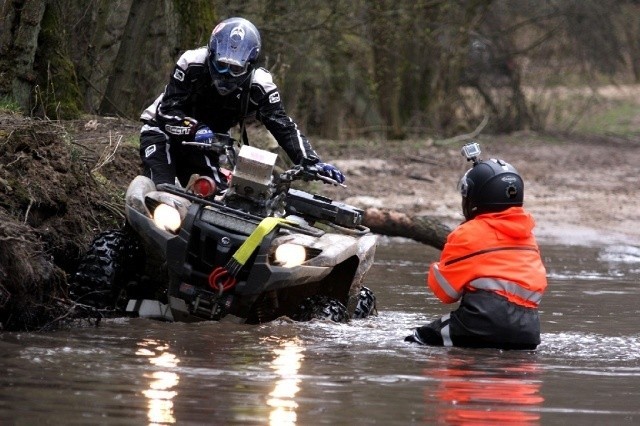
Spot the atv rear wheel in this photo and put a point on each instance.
(366, 304)
(321, 307)
(107, 269)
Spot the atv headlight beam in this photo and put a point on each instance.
(290, 255)
(166, 217)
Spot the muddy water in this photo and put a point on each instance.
(586, 371)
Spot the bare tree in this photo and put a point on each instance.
(345, 68)
(629, 26)
(154, 36)
(19, 33)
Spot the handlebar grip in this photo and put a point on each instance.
(330, 180)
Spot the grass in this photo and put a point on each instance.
(622, 118)
(8, 104)
(609, 110)
(132, 140)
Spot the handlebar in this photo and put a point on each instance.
(307, 173)
(223, 143)
(219, 142)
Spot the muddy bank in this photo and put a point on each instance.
(59, 186)
(580, 190)
(61, 183)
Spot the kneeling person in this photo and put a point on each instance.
(492, 264)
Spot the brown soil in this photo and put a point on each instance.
(580, 191)
(57, 190)
(62, 183)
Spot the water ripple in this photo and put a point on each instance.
(622, 254)
(591, 347)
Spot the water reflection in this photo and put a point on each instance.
(475, 390)
(160, 396)
(286, 364)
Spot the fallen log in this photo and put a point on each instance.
(424, 229)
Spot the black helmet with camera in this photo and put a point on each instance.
(489, 186)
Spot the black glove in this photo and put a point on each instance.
(330, 171)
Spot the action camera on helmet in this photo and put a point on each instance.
(471, 152)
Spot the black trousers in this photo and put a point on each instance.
(165, 159)
(483, 320)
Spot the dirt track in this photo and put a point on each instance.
(579, 191)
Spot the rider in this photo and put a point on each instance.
(212, 89)
(491, 262)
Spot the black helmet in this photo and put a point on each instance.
(490, 186)
(233, 49)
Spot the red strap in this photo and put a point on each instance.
(219, 274)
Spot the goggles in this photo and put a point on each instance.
(235, 70)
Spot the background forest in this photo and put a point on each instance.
(346, 68)
(381, 85)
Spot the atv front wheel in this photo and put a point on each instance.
(321, 307)
(366, 304)
(106, 270)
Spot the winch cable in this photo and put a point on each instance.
(223, 278)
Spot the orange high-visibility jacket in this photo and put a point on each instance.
(495, 252)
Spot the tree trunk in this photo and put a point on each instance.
(18, 42)
(388, 65)
(57, 94)
(120, 96)
(424, 229)
(99, 36)
(154, 36)
(631, 29)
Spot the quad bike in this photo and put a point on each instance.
(256, 251)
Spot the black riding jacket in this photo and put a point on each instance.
(190, 99)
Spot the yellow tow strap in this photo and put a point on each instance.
(255, 239)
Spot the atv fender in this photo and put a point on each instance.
(139, 217)
(138, 188)
(153, 237)
(366, 252)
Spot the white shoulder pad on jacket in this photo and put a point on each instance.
(263, 78)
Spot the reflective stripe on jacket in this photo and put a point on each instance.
(495, 252)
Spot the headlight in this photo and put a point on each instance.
(290, 255)
(166, 217)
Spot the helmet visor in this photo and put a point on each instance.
(224, 67)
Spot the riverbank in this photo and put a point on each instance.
(61, 183)
(66, 179)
